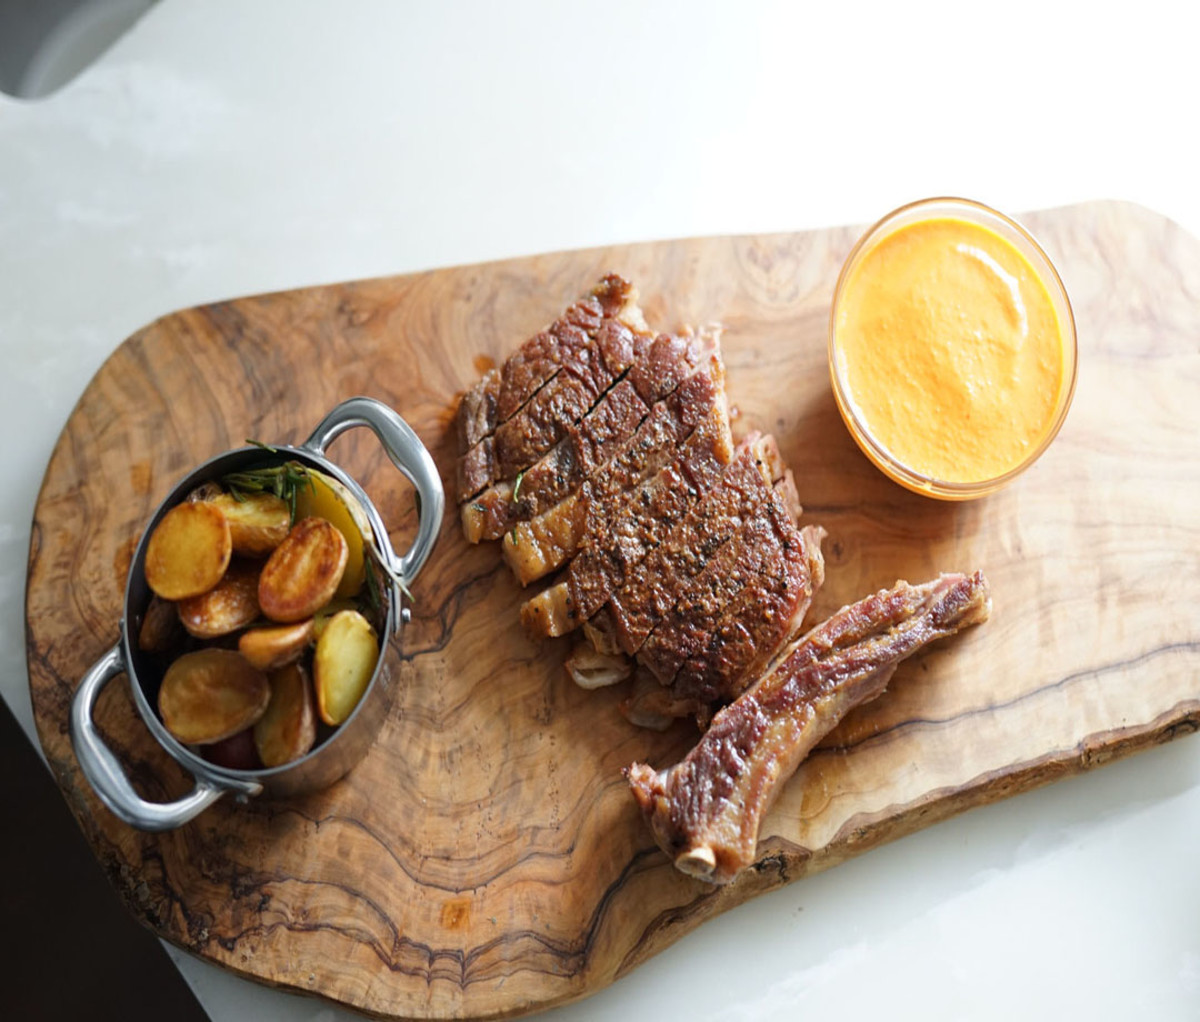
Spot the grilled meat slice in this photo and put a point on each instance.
(537, 547)
(619, 533)
(705, 812)
(503, 392)
(756, 627)
(655, 585)
(596, 363)
(589, 444)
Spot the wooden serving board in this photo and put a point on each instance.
(486, 858)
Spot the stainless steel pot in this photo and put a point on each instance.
(341, 750)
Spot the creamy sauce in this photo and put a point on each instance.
(950, 349)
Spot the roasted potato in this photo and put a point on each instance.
(274, 646)
(160, 626)
(289, 727)
(258, 522)
(234, 753)
(231, 604)
(343, 664)
(188, 551)
(303, 573)
(327, 498)
(211, 694)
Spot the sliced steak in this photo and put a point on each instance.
(591, 443)
(767, 562)
(619, 533)
(503, 392)
(537, 547)
(655, 585)
(757, 623)
(596, 364)
(705, 812)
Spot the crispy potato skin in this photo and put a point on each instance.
(289, 727)
(210, 695)
(343, 664)
(234, 753)
(272, 647)
(329, 499)
(228, 606)
(304, 572)
(258, 522)
(160, 626)
(188, 551)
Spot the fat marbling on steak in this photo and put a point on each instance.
(705, 812)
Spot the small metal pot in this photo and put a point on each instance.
(341, 750)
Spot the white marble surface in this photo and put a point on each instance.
(226, 148)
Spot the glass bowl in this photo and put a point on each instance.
(1012, 232)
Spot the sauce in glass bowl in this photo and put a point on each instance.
(952, 348)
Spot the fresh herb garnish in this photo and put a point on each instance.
(284, 481)
(517, 487)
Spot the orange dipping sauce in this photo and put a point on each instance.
(953, 363)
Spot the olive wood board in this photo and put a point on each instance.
(486, 859)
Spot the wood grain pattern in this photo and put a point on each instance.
(486, 859)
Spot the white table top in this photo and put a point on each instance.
(225, 148)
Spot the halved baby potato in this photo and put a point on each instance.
(211, 694)
(303, 573)
(343, 664)
(329, 499)
(289, 727)
(274, 646)
(160, 625)
(258, 522)
(188, 551)
(236, 752)
(231, 604)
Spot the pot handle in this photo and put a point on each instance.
(105, 773)
(408, 454)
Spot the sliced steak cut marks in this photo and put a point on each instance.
(655, 585)
(757, 623)
(596, 363)
(503, 392)
(705, 812)
(539, 546)
(589, 444)
(619, 533)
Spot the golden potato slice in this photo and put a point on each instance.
(231, 604)
(258, 522)
(160, 626)
(234, 753)
(211, 694)
(343, 664)
(188, 551)
(303, 573)
(271, 648)
(327, 498)
(289, 727)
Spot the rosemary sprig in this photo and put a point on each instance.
(284, 481)
(374, 560)
(517, 487)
